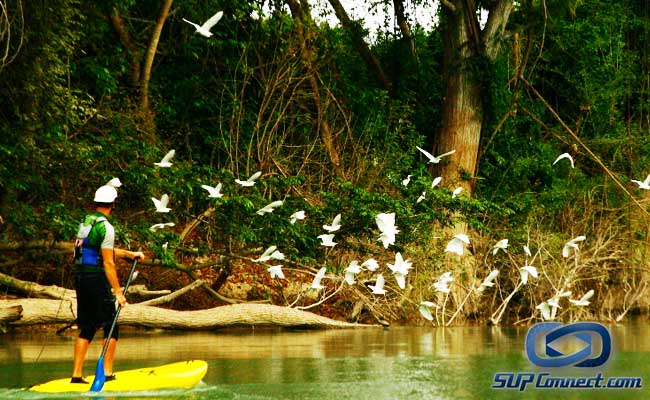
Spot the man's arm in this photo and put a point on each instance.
(111, 275)
(121, 253)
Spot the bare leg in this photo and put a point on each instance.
(109, 357)
(80, 350)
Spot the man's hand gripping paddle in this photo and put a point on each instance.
(100, 375)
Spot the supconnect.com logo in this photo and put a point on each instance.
(580, 346)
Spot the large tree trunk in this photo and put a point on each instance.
(462, 108)
(45, 311)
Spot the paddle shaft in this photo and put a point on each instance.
(119, 307)
(98, 383)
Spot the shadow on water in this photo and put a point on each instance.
(398, 363)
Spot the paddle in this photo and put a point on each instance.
(100, 375)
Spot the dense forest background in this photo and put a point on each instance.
(95, 90)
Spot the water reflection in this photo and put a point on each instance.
(369, 363)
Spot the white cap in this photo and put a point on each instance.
(105, 194)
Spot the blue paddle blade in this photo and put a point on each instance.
(100, 376)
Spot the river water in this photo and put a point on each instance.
(369, 363)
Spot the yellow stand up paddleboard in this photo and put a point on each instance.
(180, 375)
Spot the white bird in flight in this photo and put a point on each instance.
(316, 282)
(351, 271)
(327, 240)
(250, 181)
(584, 300)
(205, 28)
(378, 287)
(335, 226)
(164, 163)
(525, 271)
(115, 182)
(298, 215)
(271, 253)
(457, 244)
(433, 159)
(386, 224)
(371, 264)
(643, 185)
(161, 205)
(157, 227)
(213, 191)
(425, 309)
(442, 285)
(571, 244)
(501, 245)
(489, 280)
(436, 181)
(564, 155)
(269, 207)
(276, 271)
(400, 269)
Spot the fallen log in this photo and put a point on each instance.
(11, 313)
(46, 311)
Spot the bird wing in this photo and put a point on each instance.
(446, 154)
(647, 180)
(253, 177)
(164, 200)
(426, 153)
(319, 275)
(564, 155)
(212, 21)
(168, 156)
(197, 26)
(379, 284)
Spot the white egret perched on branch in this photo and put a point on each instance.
(434, 159)
(164, 163)
(161, 205)
(456, 192)
(207, 25)
(250, 181)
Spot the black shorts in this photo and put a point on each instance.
(95, 303)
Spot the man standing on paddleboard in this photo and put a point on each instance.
(96, 281)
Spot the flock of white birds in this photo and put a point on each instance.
(387, 234)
